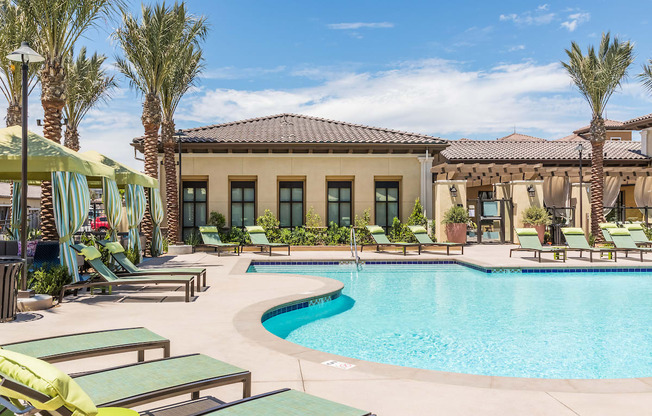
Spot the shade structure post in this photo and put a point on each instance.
(16, 214)
(71, 201)
(136, 202)
(156, 210)
(23, 178)
(112, 206)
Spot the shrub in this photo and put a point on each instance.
(193, 239)
(300, 236)
(337, 235)
(270, 224)
(456, 215)
(313, 220)
(536, 216)
(362, 235)
(49, 280)
(417, 217)
(648, 231)
(432, 230)
(133, 255)
(400, 232)
(236, 235)
(217, 219)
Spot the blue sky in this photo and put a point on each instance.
(473, 69)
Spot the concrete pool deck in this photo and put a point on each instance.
(224, 322)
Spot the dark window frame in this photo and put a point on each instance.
(292, 184)
(195, 185)
(339, 184)
(243, 184)
(385, 184)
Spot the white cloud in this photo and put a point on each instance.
(229, 72)
(516, 48)
(574, 20)
(431, 96)
(360, 25)
(538, 16)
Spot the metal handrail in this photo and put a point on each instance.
(354, 247)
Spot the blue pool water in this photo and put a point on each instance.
(453, 318)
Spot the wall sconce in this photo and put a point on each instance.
(530, 191)
(453, 191)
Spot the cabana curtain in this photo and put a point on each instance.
(156, 210)
(112, 205)
(643, 193)
(556, 193)
(135, 201)
(16, 211)
(71, 199)
(611, 192)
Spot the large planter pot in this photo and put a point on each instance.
(456, 233)
(541, 230)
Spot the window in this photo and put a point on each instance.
(243, 203)
(387, 202)
(194, 207)
(339, 203)
(290, 197)
(486, 195)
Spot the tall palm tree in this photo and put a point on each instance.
(59, 24)
(87, 84)
(14, 29)
(187, 67)
(150, 47)
(597, 75)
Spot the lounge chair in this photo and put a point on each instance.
(622, 239)
(118, 253)
(91, 344)
(259, 239)
(576, 241)
(381, 240)
(605, 226)
(424, 239)
(211, 238)
(126, 385)
(638, 234)
(105, 277)
(284, 402)
(529, 239)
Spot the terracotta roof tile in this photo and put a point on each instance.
(608, 124)
(646, 119)
(518, 137)
(572, 138)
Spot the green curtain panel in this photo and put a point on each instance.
(156, 209)
(15, 211)
(72, 200)
(135, 200)
(112, 205)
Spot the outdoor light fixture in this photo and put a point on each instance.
(580, 149)
(530, 191)
(453, 191)
(24, 55)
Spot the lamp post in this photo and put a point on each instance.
(580, 149)
(24, 55)
(179, 133)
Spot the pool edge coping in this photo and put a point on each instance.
(248, 322)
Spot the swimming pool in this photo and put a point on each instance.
(450, 317)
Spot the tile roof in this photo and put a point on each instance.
(608, 124)
(518, 137)
(491, 150)
(296, 128)
(633, 123)
(572, 138)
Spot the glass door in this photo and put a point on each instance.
(194, 206)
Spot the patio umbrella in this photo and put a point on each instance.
(68, 171)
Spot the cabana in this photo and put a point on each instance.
(134, 184)
(69, 172)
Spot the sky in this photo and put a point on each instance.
(475, 69)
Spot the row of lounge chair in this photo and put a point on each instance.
(627, 239)
(29, 383)
(419, 232)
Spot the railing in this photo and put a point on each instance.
(354, 248)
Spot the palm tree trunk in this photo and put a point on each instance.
(71, 137)
(14, 114)
(598, 135)
(151, 120)
(171, 187)
(52, 99)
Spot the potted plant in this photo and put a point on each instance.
(537, 218)
(456, 220)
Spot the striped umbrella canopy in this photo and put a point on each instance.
(135, 201)
(16, 210)
(124, 175)
(156, 209)
(112, 205)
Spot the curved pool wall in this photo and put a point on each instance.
(509, 324)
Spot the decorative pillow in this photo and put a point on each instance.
(374, 229)
(634, 226)
(91, 253)
(208, 229)
(255, 229)
(572, 231)
(114, 247)
(619, 231)
(46, 379)
(419, 230)
(604, 225)
(526, 231)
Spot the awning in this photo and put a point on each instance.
(124, 175)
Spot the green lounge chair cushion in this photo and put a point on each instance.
(208, 229)
(46, 379)
(634, 227)
(619, 231)
(375, 229)
(255, 229)
(526, 231)
(572, 231)
(604, 225)
(91, 253)
(418, 229)
(114, 247)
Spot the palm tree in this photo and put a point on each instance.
(87, 84)
(187, 68)
(14, 29)
(597, 76)
(59, 25)
(151, 47)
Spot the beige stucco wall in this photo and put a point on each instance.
(586, 206)
(31, 202)
(443, 200)
(267, 169)
(522, 200)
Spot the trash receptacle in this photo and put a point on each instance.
(9, 276)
